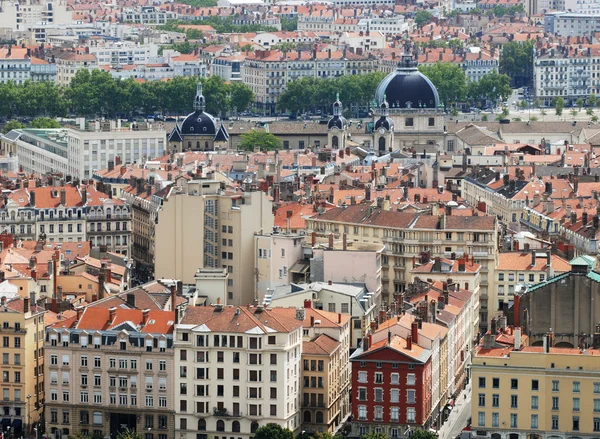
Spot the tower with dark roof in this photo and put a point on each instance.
(384, 129)
(337, 126)
(199, 130)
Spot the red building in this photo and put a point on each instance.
(391, 387)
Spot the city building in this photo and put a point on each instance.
(409, 236)
(80, 152)
(198, 131)
(123, 53)
(229, 219)
(24, 16)
(534, 391)
(563, 305)
(229, 68)
(562, 23)
(15, 64)
(69, 63)
(149, 15)
(22, 364)
(391, 379)
(237, 368)
(108, 370)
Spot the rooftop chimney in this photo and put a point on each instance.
(409, 343)
(517, 337)
(414, 331)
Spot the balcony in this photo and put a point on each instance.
(225, 413)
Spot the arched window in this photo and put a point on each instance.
(190, 145)
(201, 424)
(12, 215)
(235, 426)
(334, 142)
(253, 427)
(319, 418)
(108, 213)
(220, 425)
(307, 417)
(197, 145)
(381, 144)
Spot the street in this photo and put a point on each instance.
(459, 416)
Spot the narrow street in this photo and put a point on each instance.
(459, 416)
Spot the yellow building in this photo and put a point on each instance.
(22, 365)
(535, 391)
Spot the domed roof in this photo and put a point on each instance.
(384, 122)
(407, 87)
(199, 123)
(337, 121)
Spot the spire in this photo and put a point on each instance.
(385, 107)
(199, 103)
(337, 106)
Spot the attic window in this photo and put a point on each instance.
(151, 322)
(191, 128)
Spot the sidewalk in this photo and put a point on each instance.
(446, 431)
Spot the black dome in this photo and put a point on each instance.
(407, 88)
(199, 123)
(384, 122)
(337, 122)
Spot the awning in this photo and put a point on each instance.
(17, 424)
(300, 267)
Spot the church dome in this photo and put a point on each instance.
(407, 87)
(199, 123)
(337, 121)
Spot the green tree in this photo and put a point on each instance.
(537, 103)
(259, 139)
(516, 60)
(523, 104)
(589, 111)
(492, 86)
(580, 103)
(194, 34)
(559, 105)
(217, 94)
(591, 100)
(423, 17)
(246, 48)
(449, 79)
(44, 122)
(574, 112)
(374, 436)
(241, 96)
(273, 431)
(594, 119)
(129, 434)
(423, 434)
(12, 125)
(289, 24)
(533, 119)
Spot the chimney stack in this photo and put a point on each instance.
(414, 331)
(409, 343)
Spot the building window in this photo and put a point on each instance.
(575, 423)
(495, 400)
(409, 122)
(535, 385)
(482, 382)
(555, 403)
(411, 415)
(481, 419)
(534, 421)
(431, 122)
(575, 404)
(513, 420)
(362, 412)
(514, 383)
(576, 386)
(555, 386)
(482, 400)
(596, 424)
(514, 399)
(534, 402)
(554, 422)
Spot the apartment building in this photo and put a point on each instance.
(150, 15)
(69, 63)
(15, 64)
(535, 391)
(108, 370)
(123, 53)
(568, 72)
(326, 373)
(229, 68)
(22, 364)
(80, 152)
(391, 379)
(237, 368)
(576, 24)
(590, 7)
(24, 16)
(518, 270)
(388, 26)
(267, 72)
(408, 236)
(230, 220)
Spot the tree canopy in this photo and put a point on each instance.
(423, 17)
(12, 125)
(311, 93)
(491, 86)
(516, 59)
(449, 79)
(96, 92)
(44, 122)
(273, 431)
(559, 105)
(259, 139)
(221, 24)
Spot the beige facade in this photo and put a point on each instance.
(535, 392)
(275, 259)
(199, 225)
(100, 381)
(22, 364)
(409, 236)
(325, 369)
(237, 368)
